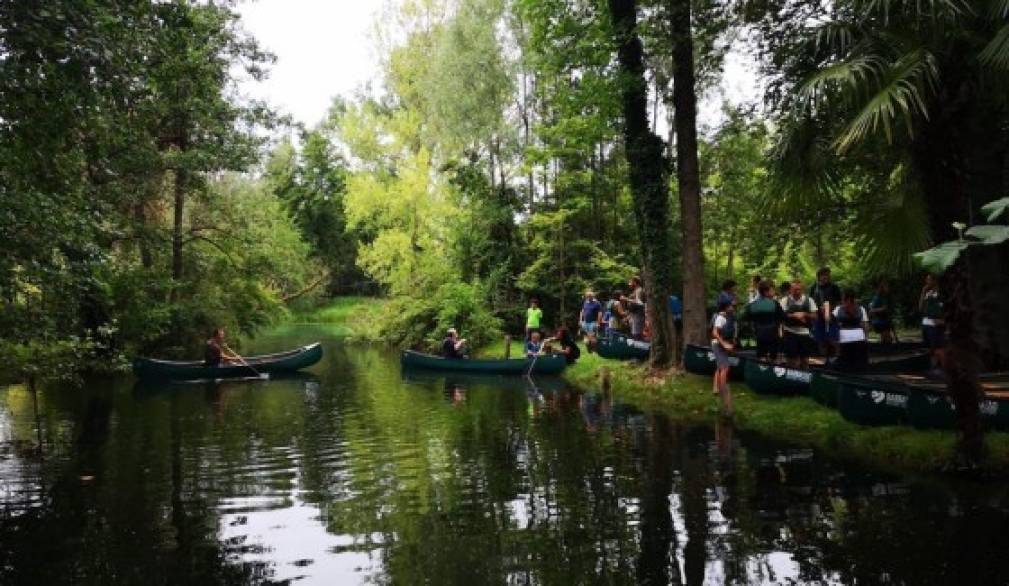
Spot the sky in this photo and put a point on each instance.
(325, 48)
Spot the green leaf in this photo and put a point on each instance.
(989, 234)
(939, 258)
(996, 208)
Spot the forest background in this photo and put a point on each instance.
(145, 201)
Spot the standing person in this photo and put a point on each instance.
(827, 296)
(881, 312)
(785, 289)
(452, 346)
(766, 316)
(727, 294)
(933, 325)
(676, 309)
(615, 314)
(590, 315)
(853, 322)
(800, 311)
(636, 308)
(534, 317)
(723, 333)
(754, 292)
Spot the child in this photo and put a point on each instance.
(534, 317)
(723, 332)
(534, 346)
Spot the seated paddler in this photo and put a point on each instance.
(453, 346)
(216, 351)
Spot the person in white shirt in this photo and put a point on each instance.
(854, 325)
(723, 337)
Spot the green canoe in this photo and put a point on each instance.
(823, 388)
(292, 360)
(873, 400)
(623, 348)
(701, 360)
(930, 407)
(766, 378)
(546, 364)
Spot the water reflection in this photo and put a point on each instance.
(360, 474)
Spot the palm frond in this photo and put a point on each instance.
(996, 52)
(893, 227)
(836, 35)
(902, 95)
(999, 9)
(859, 71)
(940, 10)
(803, 167)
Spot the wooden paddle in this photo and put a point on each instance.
(261, 375)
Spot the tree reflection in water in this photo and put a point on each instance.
(355, 474)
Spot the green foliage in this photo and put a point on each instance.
(939, 259)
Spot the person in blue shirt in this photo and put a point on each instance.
(590, 315)
(727, 294)
(534, 347)
(676, 310)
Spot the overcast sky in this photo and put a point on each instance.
(324, 48)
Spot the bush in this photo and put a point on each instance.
(421, 322)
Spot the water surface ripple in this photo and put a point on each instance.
(358, 473)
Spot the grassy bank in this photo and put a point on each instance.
(797, 420)
(352, 317)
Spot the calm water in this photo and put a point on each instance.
(357, 474)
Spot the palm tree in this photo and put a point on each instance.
(903, 103)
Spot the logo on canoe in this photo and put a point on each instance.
(637, 344)
(989, 407)
(799, 376)
(888, 399)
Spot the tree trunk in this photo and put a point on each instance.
(140, 233)
(687, 174)
(649, 181)
(962, 364)
(181, 181)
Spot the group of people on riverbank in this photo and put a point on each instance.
(827, 320)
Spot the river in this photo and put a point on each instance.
(357, 473)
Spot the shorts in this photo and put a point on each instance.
(796, 345)
(882, 326)
(721, 355)
(637, 323)
(767, 344)
(589, 327)
(826, 332)
(934, 336)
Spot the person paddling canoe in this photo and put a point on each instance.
(453, 346)
(216, 351)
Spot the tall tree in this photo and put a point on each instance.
(688, 173)
(649, 180)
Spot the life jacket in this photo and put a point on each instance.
(728, 329)
(796, 306)
(933, 305)
(763, 312)
(849, 321)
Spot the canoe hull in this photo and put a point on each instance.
(149, 369)
(547, 364)
(701, 360)
(623, 348)
(775, 379)
(823, 388)
(771, 379)
(870, 402)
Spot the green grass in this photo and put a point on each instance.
(796, 420)
(350, 316)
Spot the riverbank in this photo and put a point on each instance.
(797, 420)
(351, 317)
